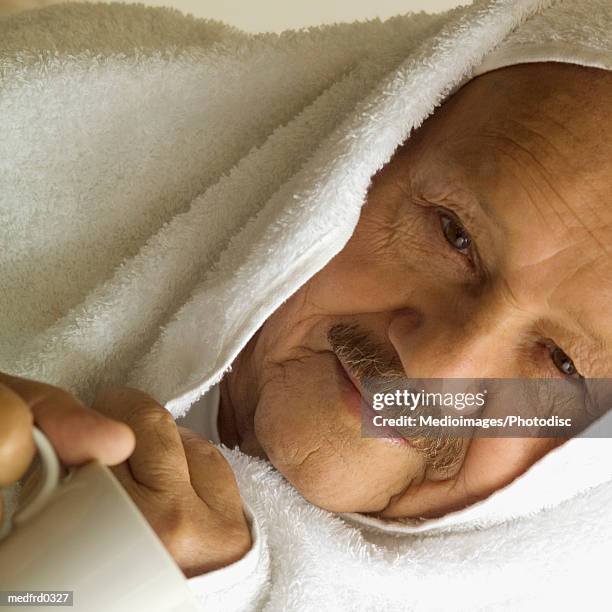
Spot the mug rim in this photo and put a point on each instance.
(51, 470)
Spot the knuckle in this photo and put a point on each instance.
(212, 452)
(133, 405)
(222, 471)
(195, 446)
(55, 396)
(217, 458)
(205, 449)
(151, 413)
(191, 439)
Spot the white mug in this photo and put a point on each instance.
(82, 533)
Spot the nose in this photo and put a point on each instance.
(469, 342)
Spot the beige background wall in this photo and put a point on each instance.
(276, 15)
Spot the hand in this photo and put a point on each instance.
(77, 433)
(181, 483)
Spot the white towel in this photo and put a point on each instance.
(554, 560)
(166, 183)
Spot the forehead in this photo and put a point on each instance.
(539, 181)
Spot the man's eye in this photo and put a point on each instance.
(563, 363)
(455, 234)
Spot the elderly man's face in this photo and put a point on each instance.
(483, 250)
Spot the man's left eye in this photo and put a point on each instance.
(455, 233)
(563, 363)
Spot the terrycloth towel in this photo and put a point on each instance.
(166, 183)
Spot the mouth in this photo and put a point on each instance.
(353, 385)
(355, 398)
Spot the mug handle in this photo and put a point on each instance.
(50, 468)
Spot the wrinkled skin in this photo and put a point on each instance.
(519, 160)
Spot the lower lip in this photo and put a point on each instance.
(356, 406)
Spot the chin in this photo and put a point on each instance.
(334, 492)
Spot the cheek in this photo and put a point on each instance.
(311, 438)
(360, 280)
(395, 258)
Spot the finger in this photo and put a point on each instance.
(16, 443)
(212, 477)
(77, 433)
(124, 475)
(158, 461)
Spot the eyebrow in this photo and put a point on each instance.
(473, 204)
(485, 205)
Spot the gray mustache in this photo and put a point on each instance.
(367, 361)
